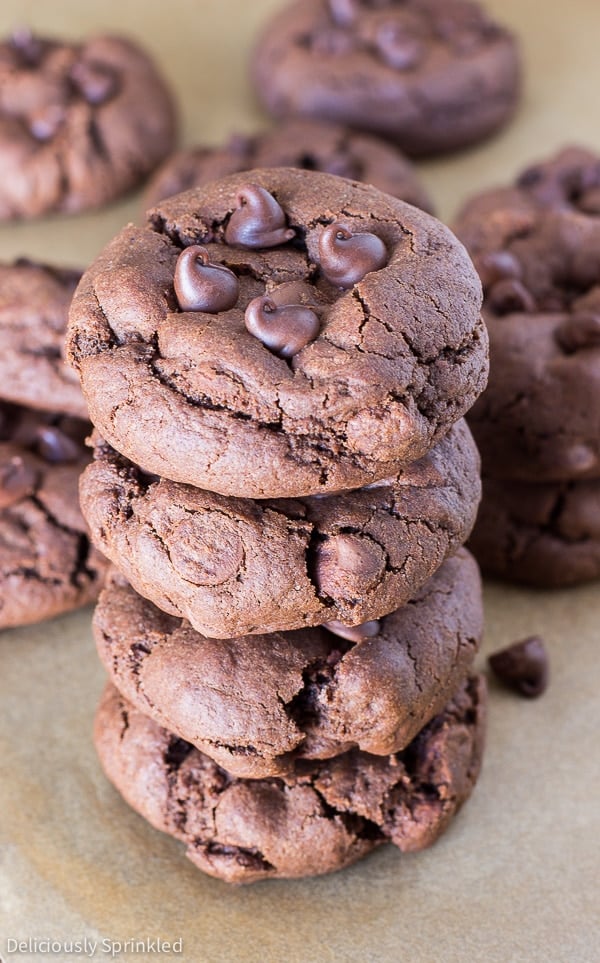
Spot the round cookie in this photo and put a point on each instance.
(47, 565)
(547, 535)
(235, 566)
(432, 75)
(34, 303)
(258, 703)
(324, 816)
(537, 248)
(80, 123)
(308, 144)
(329, 336)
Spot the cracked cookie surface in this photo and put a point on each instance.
(432, 75)
(308, 144)
(234, 566)
(324, 816)
(537, 248)
(547, 535)
(80, 123)
(195, 397)
(258, 703)
(47, 564)
(34, 303)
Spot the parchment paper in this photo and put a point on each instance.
(517, 876)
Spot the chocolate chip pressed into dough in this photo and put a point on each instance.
(80, 123)
(192, 396)
(308, 144)
(431, 75)
(47, 564)
(324, 816)
(34, 303)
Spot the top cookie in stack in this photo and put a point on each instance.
(277, 366)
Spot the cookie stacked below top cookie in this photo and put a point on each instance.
(277, 366)
(47, 565)
(537, 248)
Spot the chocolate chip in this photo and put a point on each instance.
(258, 220)
(510, 296)
(523, 666)
(96, 82)
(46, 122)
(203, 286)
(346, 258)
(397, 48)
(343, 12)
(29, 48)
(579, 332)
(497, 266)
(284, 329)
(530, 177)
(17, 480)
(353, 633)
(55, 446)
(348, 565)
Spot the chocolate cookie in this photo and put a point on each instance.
(47, 565)
(80, 123)
(537, 248)
(256, 704)
(34, 302)
(279, 333)
(318, 819)
(544, 535)
(234, 566)
(433, 75)
(309, 144)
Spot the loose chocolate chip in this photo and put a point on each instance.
(523, 666)
(203, 286)
(397, 48)
(354, 633)
(510, 296)
(95, 81)
(497, 266)
(284, 329)
(17, 480)
(346, 258)
(579, 332)
(55, 446)
(258, 220)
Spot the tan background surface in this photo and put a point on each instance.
(517, 876)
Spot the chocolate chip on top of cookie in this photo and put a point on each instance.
(349, 345)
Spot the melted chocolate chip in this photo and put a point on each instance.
(283, 328)
(258, 220)
(17, 480)
(55, 446)
(347, 565)
(95, 81)
(346, 258)
(510, 296)
(201, 285)
(579, 332)
(523, 666)
(353, 633)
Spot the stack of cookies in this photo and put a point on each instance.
(537, 248)
(47, 565)
(277, 365)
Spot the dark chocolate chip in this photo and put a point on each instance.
(27, 45)
(348, 565)
(283, 328)
(346, 258)
(45, 123)
(343, 12)
(579, 332)
(497, 266)
(203, 286)
(523, 666)
(511, 296)
(258, 220)
(95, 81)
(353, 633)
(17, 480)
(530, 177)
(55, 446)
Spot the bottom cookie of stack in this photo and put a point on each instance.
(321, 817)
